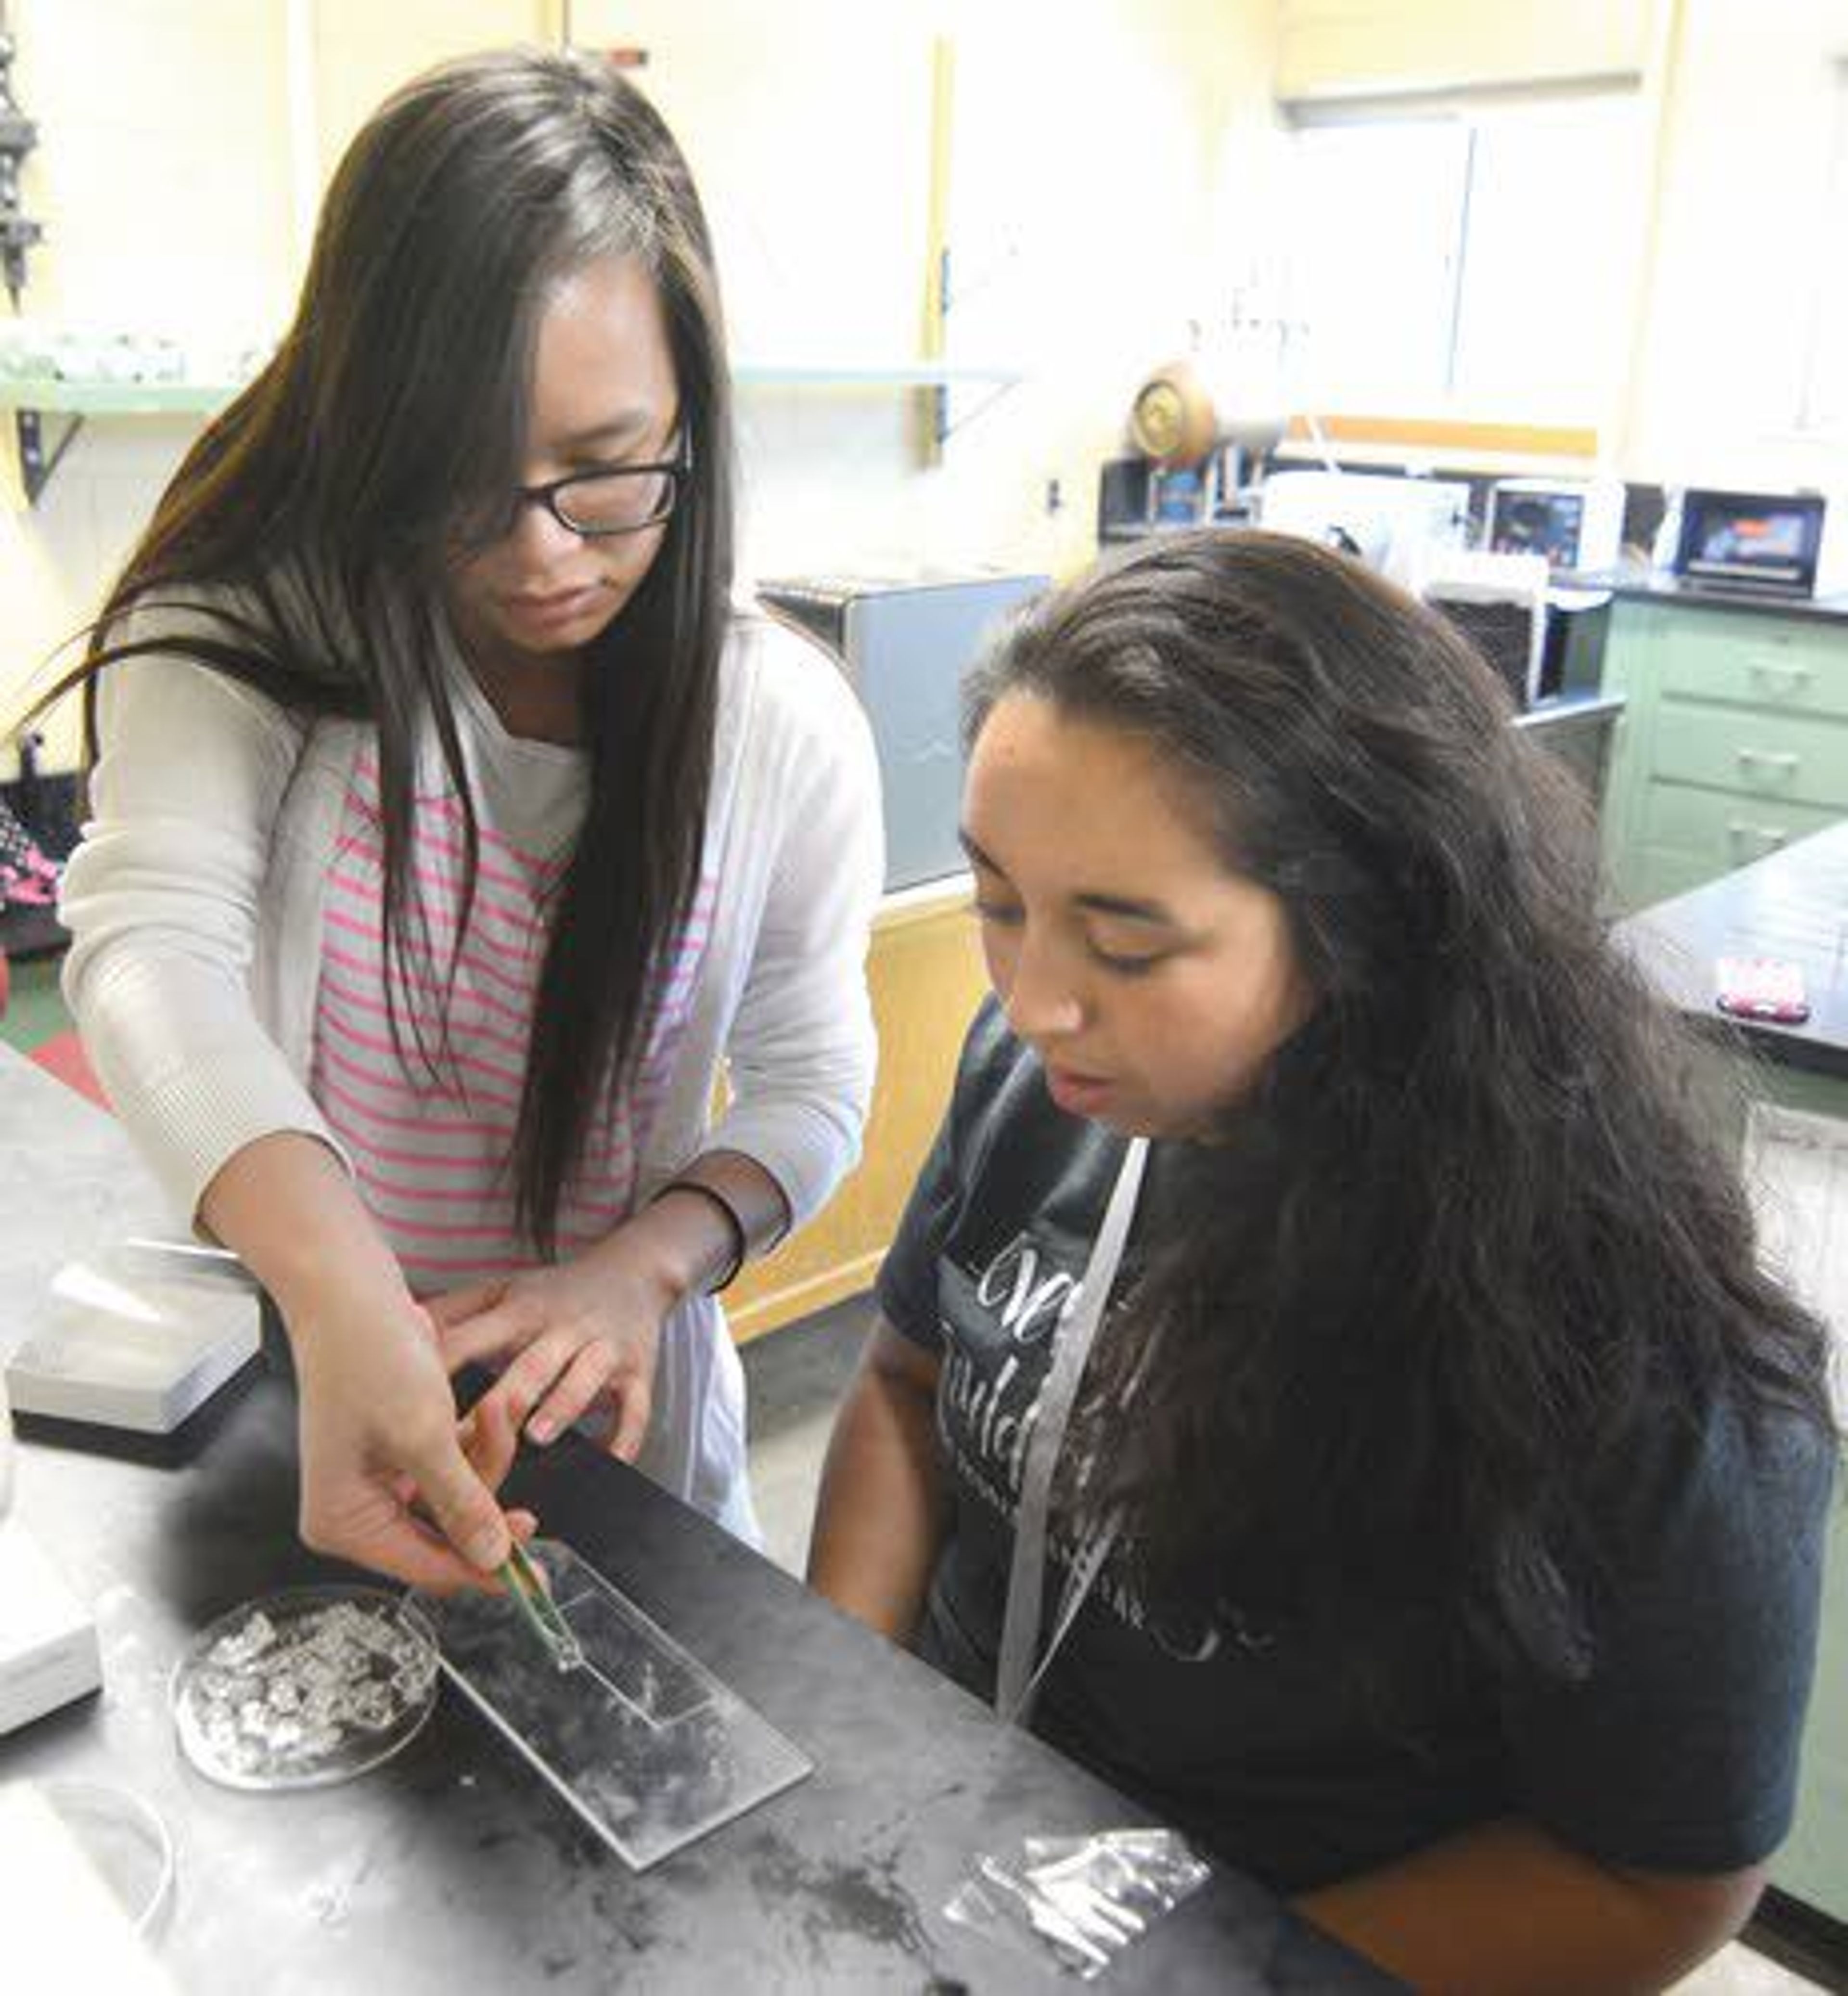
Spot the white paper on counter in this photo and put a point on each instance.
(64, 1928)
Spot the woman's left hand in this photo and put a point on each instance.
(573, 1336)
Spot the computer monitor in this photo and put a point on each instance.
(1756, 540)
(1574, 523)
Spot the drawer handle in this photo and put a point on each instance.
(1786, 764)
(1788, 679)
(1763, 838)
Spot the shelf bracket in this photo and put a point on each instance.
(34, 467)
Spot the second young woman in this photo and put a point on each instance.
(1437, 1530)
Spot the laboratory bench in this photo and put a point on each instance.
(454, 1867)
(1792, 905)
(1649, 585)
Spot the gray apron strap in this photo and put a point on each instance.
(1017, 1678)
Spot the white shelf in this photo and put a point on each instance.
(30, 397)
(902, 375)
(52, 395)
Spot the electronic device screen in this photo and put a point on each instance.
(1538, 523)
(1752, 538)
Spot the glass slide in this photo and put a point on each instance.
(648, 1746)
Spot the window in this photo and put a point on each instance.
(1468, 258)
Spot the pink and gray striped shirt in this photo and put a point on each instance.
(430, 1152)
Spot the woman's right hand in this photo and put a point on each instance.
(390, 1478)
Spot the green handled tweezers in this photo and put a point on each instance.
(527, 1584)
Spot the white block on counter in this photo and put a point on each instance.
(132, 1353)
(48, 1649)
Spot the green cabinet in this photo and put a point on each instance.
(1733, 741)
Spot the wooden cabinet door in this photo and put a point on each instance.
(926, 979)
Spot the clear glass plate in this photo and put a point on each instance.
(305, 1688)
(640, 1738)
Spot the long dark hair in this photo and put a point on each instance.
(329, 494)
(1470, 1232)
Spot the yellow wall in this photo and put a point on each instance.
(1084, 148)
(143, 107)
(925, 973)
(1740, 99)
(162, 178)
(1749, 103)
(1337, 48)
(1110, 178)
(359, 51)
(1091, 168)
(1087, 149)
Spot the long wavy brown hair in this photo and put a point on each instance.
(1472, 1233)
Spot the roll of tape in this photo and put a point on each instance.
(1171, 419)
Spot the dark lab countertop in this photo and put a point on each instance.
(1792, 904)
(453, 1868)
(1641, 585)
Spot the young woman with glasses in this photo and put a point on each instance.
(1437, 1531)
(451, 827)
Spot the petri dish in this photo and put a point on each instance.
(305, 1688)
(125, 1841)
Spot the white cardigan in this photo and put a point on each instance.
(194, 904)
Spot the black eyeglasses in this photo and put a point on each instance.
(623, 500)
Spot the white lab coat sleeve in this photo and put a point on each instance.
(163, 898)
(802, 1051)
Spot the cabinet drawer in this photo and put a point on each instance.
(1757, 754)
(1653, 874)
(1721, 832)
(1757, 662)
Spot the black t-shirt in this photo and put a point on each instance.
(1677, 1753)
